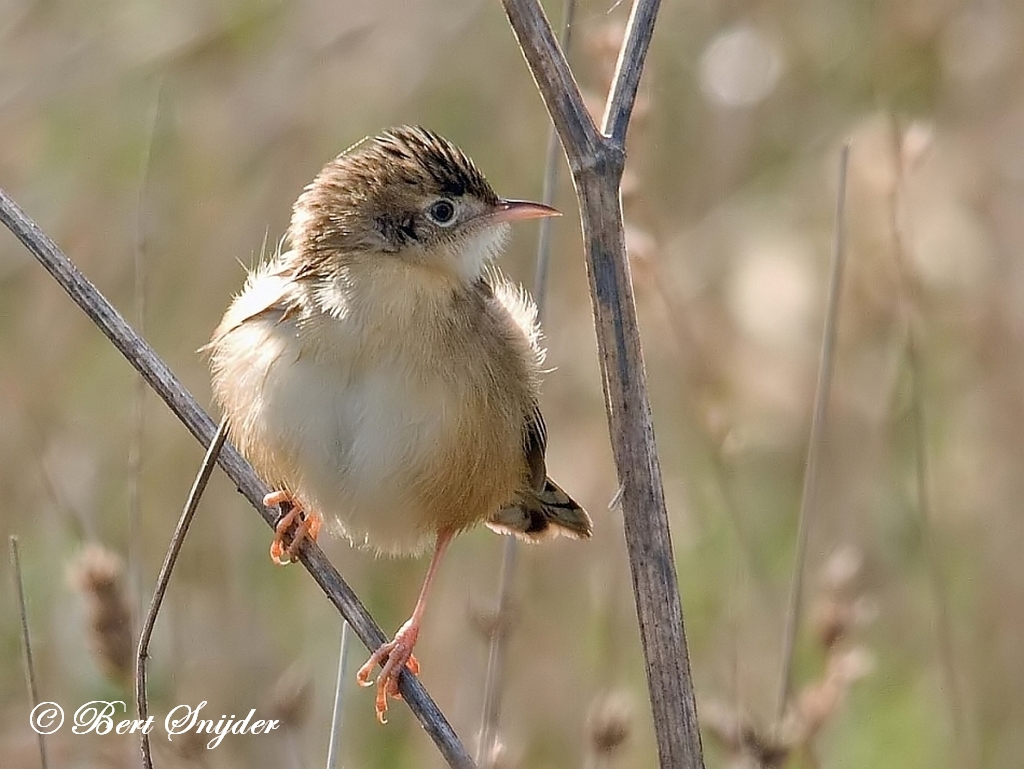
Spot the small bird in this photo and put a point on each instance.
(383, 371)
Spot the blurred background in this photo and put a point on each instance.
(162, 144)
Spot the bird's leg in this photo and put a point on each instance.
(397, 653)
(308, 527)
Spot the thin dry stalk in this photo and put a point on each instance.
(839, 610)
(188, 411)
(646, 254)
(162, 580)
(496, 648)
(823, 390)
(964, 738)
(711, 446)
(337, 716)
(289, 703)
(493, 677)
(138, 421)
(78, 522)
(596, 159)
(551, 167)
(26, 642)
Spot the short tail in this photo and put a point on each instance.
(542, 515)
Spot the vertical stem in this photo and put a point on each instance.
(597, 161)
(630, 423)
(496, 654)
(823, 390)
(334, 746)
(141, 662)
(26, 643)
(965, 740)
(493, 678)
(138, 412)
(551, 166)
(936, 577)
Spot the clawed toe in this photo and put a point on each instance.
(393, 656)
(283, 552)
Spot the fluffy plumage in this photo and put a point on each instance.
(379, 370)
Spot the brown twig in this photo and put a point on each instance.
(628, 70)
(26, 642)
(822, 393)
(184, 406)
(596, 159)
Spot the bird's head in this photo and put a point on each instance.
(407, 194)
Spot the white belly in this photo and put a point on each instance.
(367, 417)
(350, 440)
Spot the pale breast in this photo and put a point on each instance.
(396, 439)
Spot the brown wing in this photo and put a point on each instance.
(536, 445)
(544, 510)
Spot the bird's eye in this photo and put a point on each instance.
(442, 212)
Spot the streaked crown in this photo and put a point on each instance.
(406, 188)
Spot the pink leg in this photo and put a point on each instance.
(397, 654)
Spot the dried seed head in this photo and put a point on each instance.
(289, 698)
(491, 622)
(851, 665)
(768, 751)
(724, 725)
(917, 141)
(818, 702)
(842, 568)
(499, 757)
(191, 747)
(746, 744)
(832, 620)
(98, 574)
(602, 45)
(836, 612)
(610, 723)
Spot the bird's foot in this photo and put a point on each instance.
(282, 552)
(393, 656)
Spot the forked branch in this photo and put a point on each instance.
(596, 159)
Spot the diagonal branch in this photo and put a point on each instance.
(185, 407)
(597, 163)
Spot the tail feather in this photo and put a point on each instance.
(542, 515)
